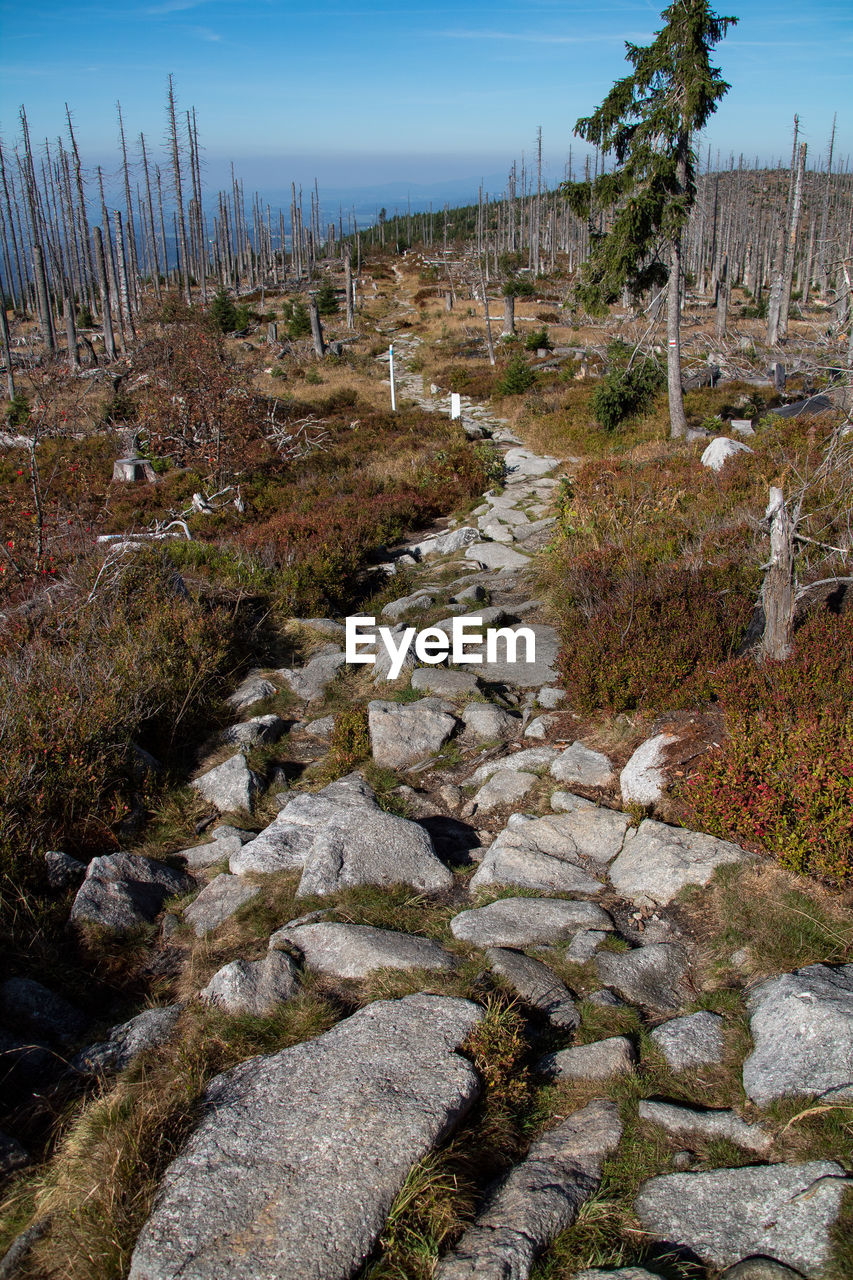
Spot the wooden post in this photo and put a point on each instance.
(778, 588)
(391, 372)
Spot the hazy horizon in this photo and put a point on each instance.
(433, 99)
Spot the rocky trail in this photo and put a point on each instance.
(557, 893)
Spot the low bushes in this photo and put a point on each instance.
(783, 779)
(139, 662)
(649, 640)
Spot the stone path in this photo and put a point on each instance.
(298, 1155)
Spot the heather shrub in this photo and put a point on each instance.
(783, 779)
(139, 662)
(649, 639)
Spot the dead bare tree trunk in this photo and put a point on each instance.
(103, 282)
(129, 229)
(778, 591)
(677, 416)
(7, 349)
(124, 289)
(348, 277)
(509, 315)
(316, 328)
(793, 232)
(489, 342)
(43, 296)
(179, 195)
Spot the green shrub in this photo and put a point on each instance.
(298, 320)
(517, 378)
(327, 299)
(538, 340)
(519, 288)
(85, 320)
(222, 312)
(625, 391)
(18, 410)
(783, 779)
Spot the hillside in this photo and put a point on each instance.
(488, 969)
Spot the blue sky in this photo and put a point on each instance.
(377, 91)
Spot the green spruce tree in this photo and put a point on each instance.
(299, 322)
(222, 311)
(327, 299)
(648, 122)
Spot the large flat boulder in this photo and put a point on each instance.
(520, 673)
(124, 890)
(403, 734)
(218, 901)
(527, 922)
(697, 1040)
(684, 1122)
(600, 1060)
(444, 682)
(653, 976)
(341, 837)
(537, 1199)
(127, 1041)
(585, 832)
(355, 950)
(802, 1026)
(310, 682)
(528, 760)
(581, 766)
(782, 1211)
(530, 869)
(300, 1154)
(660, 860)
(504, 787)
(229, 786)
(495, 555)
(253, 986)
(536, 985)
(488, 723)
(523, 463)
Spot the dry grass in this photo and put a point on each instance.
(783, 921)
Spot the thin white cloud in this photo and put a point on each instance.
(206, 34)
(173, 6)
(530, 37)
